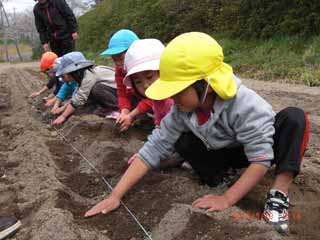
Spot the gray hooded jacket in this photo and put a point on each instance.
(246, 119)
(99, 74)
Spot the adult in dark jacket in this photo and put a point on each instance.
(56, 25)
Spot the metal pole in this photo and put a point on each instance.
(6, 47)
(16, 42)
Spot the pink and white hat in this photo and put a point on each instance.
(142, 55)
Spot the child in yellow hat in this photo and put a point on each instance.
(228, 124)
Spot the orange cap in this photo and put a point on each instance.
(47, 60)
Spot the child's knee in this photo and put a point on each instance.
(295, 117)
(188, 143)
(183, 143)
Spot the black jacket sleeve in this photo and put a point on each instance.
(68, 15)
(51, 82)
(41, 27)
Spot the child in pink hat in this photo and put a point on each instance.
(142, 65)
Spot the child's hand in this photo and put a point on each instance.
(212, 203)
(57, 110)
(54, 110)
(59, 120)
(105, 206)
(125, 121)
(35, 94)
(50, 102)
(74, 36)
(122, 114)
(45, 47)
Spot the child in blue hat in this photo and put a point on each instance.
(130, 105)
(96, 82)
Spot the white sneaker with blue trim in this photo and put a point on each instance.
(276, 210)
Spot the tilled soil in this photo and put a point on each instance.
(49, 185)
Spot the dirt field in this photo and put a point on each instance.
(49, 186)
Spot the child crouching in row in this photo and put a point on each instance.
(230, 123)
(95, 82)
(131, 105)
(142, 65)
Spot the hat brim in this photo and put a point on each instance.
(113, 51)
(74, 67)
(162, 89)
(221, 81)
(146, 66)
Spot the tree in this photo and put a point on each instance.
(80, 7)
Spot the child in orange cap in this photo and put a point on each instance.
(228, 124)
(94, 82)
(47, 66)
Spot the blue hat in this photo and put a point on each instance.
(72, 62)
(120, 42)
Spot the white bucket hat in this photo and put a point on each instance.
(142, 55)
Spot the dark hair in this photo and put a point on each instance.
(200, 87)
(78, 75)
(136, 90)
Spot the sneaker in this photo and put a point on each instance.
(173, 161)
(221, 178)
(8, 226)
(276, 210)
(112, 115)
(230, 177)
(186, 165)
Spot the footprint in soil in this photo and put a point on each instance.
(86, 185)
(117, 225)
(112, 164)
(64, 157)
(203, 227)
(144, 202)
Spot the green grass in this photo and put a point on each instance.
(100, 60)
(286, 59)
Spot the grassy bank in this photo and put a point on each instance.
(261, 39)
(286, 59)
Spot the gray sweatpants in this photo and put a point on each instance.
(104, 95)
